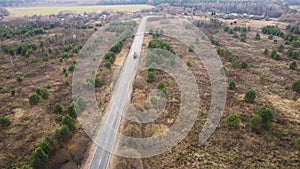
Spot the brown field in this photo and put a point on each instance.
(228, 148)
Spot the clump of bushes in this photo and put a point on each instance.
(266, 52)
(151, 76)
(256, 123)
(71, 110)
(224, 52)
(72, 67)
(293, 65)
(62, 133)
(68, 121)
(43, 92)
(250, 96)
(38, 158)
(34, 99)
(275, 55)
(155, 43)
(232, 85)
(98, 82)
(257, 36)
(19, 79)
(57, 108)
(263, 119)
(280, 48)
(233, 121)
(109, 58)
(162, 87)
(244, 65)
(4, 121)
(296, 86)
(189, 64)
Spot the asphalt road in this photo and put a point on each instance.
(120, 98)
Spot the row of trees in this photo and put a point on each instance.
(24, 49)
(290, 37)
(46, 148)
(155, 43)
(124, 30)
(28, 29)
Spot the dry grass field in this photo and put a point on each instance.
(30, 11)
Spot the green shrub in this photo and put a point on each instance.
(235, 35)
(244, 35)
(250, 96)
(256, 123)
(151, 76)
(72, 67)
(276, 56)
(108, 64)
(38, 158)
(110, 57)
(19, 79)
(280, 48)
(266, 52)
(34, 99)
(98, 82)
(189, 64)
(297, 142)
(233, 121)
(244, 65)
(232, 85)
(293, 65)
(57, 108)
(263, 119)
(71, 110)
(296, 86)
(65, 55)
(47, 146)
(155, 43)
(226, 29)
(224, 52)
(161, 85)
(67, 83)
(64, 70)
(66, 74)
(44, 93)
(68, 121)
(62, 133)
(267, 117)
(257, 37)
(38, 91)
(13, 92)
(4, 121)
